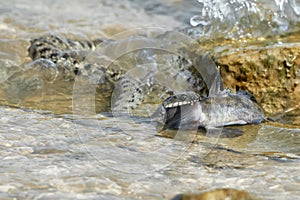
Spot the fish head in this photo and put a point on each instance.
(180, 111)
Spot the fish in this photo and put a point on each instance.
(185, 111)
(220, 108)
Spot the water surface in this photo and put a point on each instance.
(47, 152)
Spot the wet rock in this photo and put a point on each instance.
(270, 73)
(217, 194)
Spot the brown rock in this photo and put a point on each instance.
(272, 74)
(217, 194)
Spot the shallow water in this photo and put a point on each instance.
(47, 152)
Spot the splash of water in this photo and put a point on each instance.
(245, 18)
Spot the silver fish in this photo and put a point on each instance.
(216, 111)
(220, 108)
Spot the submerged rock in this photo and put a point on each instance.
(217, 194)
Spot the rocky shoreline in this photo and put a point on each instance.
(271, 73)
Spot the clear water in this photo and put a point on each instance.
(47, 152)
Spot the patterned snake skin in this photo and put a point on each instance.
(69, 57)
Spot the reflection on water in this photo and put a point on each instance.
(48, 153)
